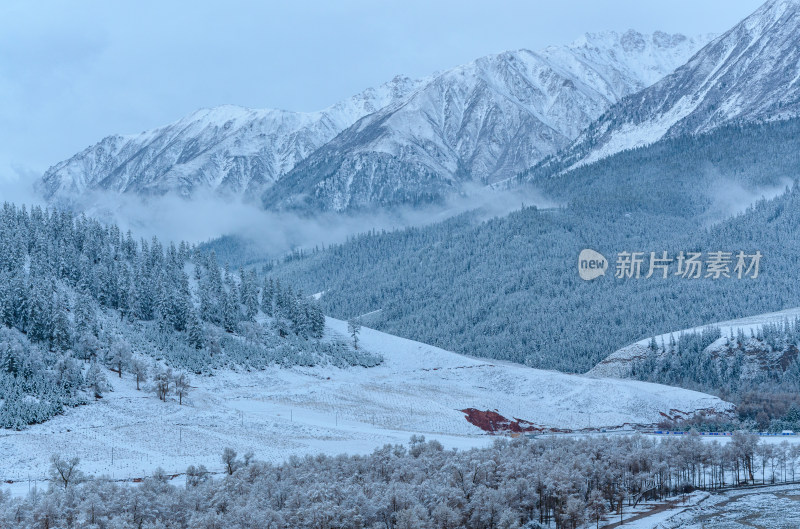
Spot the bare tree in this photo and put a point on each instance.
(65, 472)
(140, 371)
(229, 460)
(181, 383)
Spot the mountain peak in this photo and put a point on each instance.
(750, 73)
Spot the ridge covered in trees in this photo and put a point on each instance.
(508, 287)
(759, 371)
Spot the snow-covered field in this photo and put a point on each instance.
(773, 507)
(279, 412)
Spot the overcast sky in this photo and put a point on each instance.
(73, 72)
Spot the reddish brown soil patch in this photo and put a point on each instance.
(491, 421)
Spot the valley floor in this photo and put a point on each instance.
(280, 412)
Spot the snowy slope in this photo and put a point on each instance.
(480, 122)
(750, 73)
(229, 149)
(618, 364)
(280, 412)
(419, 139)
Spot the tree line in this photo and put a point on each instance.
(561, 482)
(758, 370)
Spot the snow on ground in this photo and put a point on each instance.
(650, 515)
(618, 363)
(772, 507)
(769, 507)
(281, 412)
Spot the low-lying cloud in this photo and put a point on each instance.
(207, 216)
(730, 197)
(16, 185)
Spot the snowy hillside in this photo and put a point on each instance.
(229, 149)
(748, 74)
(479, 122)
(278, 412)
(620, 363)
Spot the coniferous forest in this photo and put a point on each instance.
(759, 370)
(506, 288)
(77, 294)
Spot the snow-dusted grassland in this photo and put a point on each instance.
(281, 412)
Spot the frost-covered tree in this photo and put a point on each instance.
(74, 288)
(181, 383)
(230, 461)
(65, 472)
(196, 332)
(97, 381)
(354, 329)
(561, 482)
(140, 371)
(162, 382)
(119, 356)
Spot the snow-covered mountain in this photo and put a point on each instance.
(750, 73)
(228, 149)
(479, 122)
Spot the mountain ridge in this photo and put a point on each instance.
(748, 74)
(479, 122)
(224, 148)
(473, 122)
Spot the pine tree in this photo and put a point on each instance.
(85, 316)
(268, 297)
(61, 331)
(196, 333)
(40, 310)
(354, 329)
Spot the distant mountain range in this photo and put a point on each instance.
(414, 142)
(405, 142)
(478, 123)
(228, 149)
